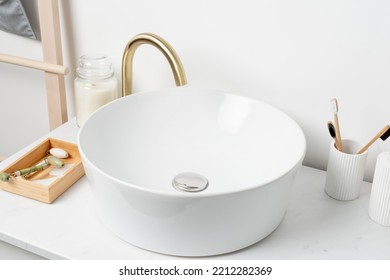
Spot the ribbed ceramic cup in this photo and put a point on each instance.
(345, 171)
(379, 207)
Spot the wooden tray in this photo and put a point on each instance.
(48, 184)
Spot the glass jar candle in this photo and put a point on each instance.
(94, 86)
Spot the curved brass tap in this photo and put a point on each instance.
(159, 43)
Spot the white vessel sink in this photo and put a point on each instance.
(241, 155)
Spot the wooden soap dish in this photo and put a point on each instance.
(48, 184)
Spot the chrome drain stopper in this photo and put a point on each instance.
(190, 182)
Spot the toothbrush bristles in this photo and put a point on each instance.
(386, 134)
(334, 105)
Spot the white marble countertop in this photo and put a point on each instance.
(315, 226)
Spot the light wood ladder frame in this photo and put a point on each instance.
(49, 21)
(52, 64)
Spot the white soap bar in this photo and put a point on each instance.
(58, 153)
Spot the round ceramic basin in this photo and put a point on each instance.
(190, 172)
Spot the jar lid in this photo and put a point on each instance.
(95, 66)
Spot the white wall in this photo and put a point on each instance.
(296, 55)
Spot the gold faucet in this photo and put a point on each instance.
(159, 43)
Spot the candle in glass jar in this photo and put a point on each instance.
(94, 86)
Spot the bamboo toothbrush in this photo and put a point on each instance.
(383, 134)
(335, 108)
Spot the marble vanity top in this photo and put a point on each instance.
(314, 227)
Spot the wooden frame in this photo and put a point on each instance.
(49, 22)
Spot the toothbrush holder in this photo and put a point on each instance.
(345, 171)
(379, 207)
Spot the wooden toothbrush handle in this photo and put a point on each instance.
(362, 150)
(339, 142)
(376, 137)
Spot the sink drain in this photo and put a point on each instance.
(190, 182)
